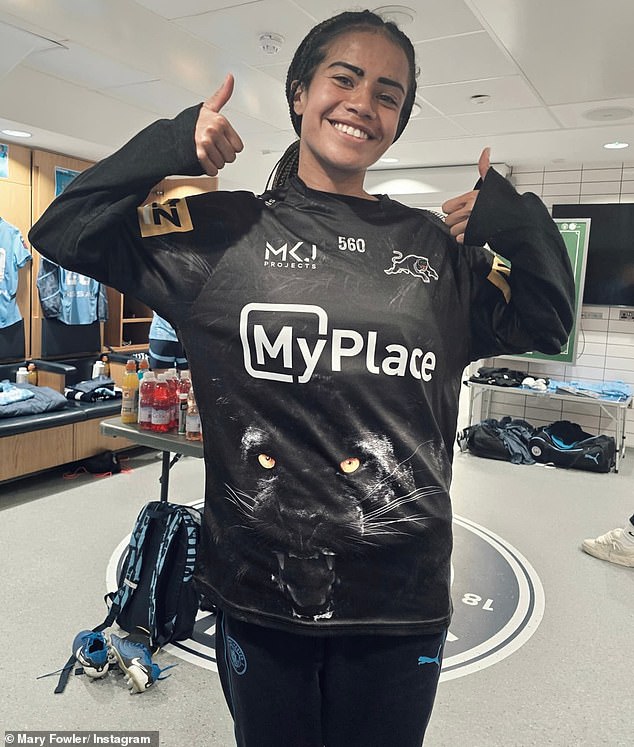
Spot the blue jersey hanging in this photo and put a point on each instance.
(13, 256)
(69, 296)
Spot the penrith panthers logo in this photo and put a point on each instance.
(411, 264)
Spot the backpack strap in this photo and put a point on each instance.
(64, 674)
(174, 522)
(131, 572)
(181, 517)
(193, 527)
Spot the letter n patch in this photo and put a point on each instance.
(167, 217)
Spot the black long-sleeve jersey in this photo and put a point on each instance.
(326, 336)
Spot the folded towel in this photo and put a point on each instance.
(10, 393)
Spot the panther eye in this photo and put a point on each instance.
(349, 465)
(266, 461)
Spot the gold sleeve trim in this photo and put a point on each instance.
(161, 218)
(498, 277)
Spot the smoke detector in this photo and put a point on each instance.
(480, 98)
(401, 15)
(271, 43)
(608, 113)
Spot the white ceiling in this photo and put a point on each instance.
(85, 75)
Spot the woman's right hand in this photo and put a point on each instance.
(217, 143)
(458, 210)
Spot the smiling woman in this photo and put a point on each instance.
(326, 331)
(331, 49)
(350, 111)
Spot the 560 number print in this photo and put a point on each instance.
(352, 245)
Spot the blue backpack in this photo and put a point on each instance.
(156, 588)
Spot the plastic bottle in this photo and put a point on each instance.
(146, 400)
(106, 365)
(130, 394)
(184, 385)
(161, 406)
(22, 375)
(98, 369)
(193, 430)
(32, 374)
(172, 382)
(144, 365)
(185, 381)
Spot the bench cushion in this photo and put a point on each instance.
(73, 412)
(44, 399)
(28, 423)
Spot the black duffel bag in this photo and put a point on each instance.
(505, 439)
(565, 444)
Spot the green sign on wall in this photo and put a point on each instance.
(575, 233)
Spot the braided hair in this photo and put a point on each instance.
(311, 53)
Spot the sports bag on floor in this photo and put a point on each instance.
(565, 444)
(156, 586)
(505, 439)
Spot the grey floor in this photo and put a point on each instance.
(569, 684)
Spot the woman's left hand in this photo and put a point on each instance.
(459, 209)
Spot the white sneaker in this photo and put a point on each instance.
(611, 547)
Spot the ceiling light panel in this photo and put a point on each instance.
(447, 18)
(589, 41)
(170, 10)
(510, 92)
(500, 123)
(596, 113)
(85, 67)
(16, 45)
(432, 128)
(17, 133)
(157, 96)
(461, 58)
(607, 114)
(237, 31)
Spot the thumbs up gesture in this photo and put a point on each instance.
(217, 143)
(459, 209)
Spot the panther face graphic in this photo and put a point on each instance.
(359, 497)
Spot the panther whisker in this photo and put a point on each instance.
(243, 493)
(408, 520)
(357, 540)
(398, 466)
(238, 499)
(408, 497)
(237, 491)
(398, 502)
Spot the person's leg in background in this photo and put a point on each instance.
(164, 354)
(616, 546)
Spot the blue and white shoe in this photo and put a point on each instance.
(134, 658)
(91, 651)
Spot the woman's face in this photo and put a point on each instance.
(350, 112)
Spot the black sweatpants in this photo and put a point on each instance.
(290, 690)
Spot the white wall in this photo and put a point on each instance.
(606, 344)
(426, 187)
